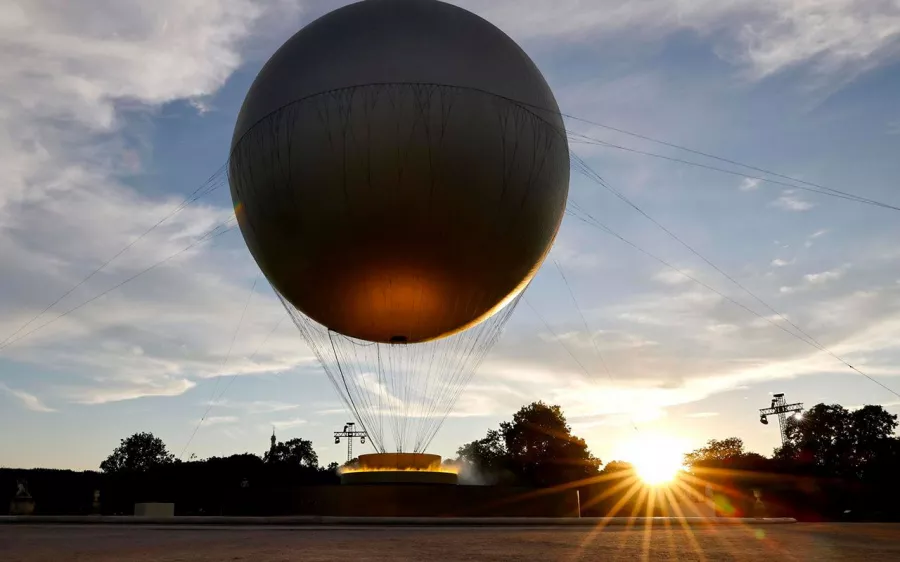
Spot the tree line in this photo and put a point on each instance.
(835, 463)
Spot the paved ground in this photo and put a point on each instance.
(843, 542)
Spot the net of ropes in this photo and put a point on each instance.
(400, 394)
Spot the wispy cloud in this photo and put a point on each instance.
(838, 37)
(892, 404)
(749, 184)
(811, 239)
(78, 89)
(825, 276)
(28, 400)
(669, 276)
(256, 406)
(790, 201)
(811, 280)
(703, 415)
(704, 346)
(220, 420)
(288, 424)
(778, 262)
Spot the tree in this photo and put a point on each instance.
(489, 453)
(839, 442)
(298, 452)
(618, 468)
(716, 450)
(725, 463)
(542, 450)
(536, 448)
(138, 453)
(872, 431)
(485, 461)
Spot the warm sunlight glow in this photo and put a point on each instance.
(657, 459)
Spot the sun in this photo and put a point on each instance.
(657, 459)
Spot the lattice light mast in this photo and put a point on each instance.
(350, 433)
(780, 408)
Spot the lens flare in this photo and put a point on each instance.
(657, 459)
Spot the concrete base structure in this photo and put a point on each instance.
(435, 500)
(398, 468)
(393, 477)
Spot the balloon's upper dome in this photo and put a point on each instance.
(394, 42)
(399, 170)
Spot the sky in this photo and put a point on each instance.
(111, 113)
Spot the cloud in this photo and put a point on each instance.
(811, 280)
(838, 37)
(234, 433)
(824, 276)
(891, 404)
(703, 346)
(79, 83)
(778, 262)
(256, 406)
(813, 237)
(30, 401)
(220, 420)
(749, 184)
(288, 424)
(703, 415)
(789, 201)
(669, 276)
(120, 386)
(570, 256)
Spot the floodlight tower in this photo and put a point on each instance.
(350, 433)
(780, 408)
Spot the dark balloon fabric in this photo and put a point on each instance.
(399, 170)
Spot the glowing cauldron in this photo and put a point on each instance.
(398, 468)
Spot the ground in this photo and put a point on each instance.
(96, 543)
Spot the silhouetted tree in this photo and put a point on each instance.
(617, 467)
(488, 453)
(725, 454)
(297, 452)
(839, 442)
(537, 447)
(485, 461)
(543, 450)
(139, 453)
(716, 450)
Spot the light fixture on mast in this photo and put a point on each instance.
(780, 408)
(350, 433)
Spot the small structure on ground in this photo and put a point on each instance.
(22, 503)
(399, 468)
(154, 510)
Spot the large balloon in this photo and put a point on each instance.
(399, 170)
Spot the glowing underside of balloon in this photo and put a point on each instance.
(409, 184)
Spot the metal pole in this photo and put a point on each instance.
(350, 433)
(780, 408)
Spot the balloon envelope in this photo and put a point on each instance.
(399, 170)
